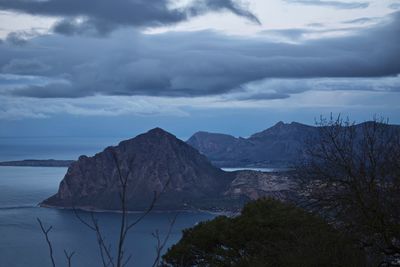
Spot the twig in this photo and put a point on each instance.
(161, 245)
(46, 234)
(69, 257)
(104, 250)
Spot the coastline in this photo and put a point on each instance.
(92, 209)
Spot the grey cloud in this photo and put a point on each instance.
(25, 66)
(362, 20)
(50, 90)
(201, 63)
(302, 34)
(102, 16)
(282, 88)
(16, 38)
(261, 96)
(316, 25)
(293, 34)
(394, 6)
(20, 38)
(334, 4)
(201, 6)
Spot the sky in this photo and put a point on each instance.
(100, 68)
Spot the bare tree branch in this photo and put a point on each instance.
(161, 244)
(352, 176)
(105, 251)
(69, 257)
(125, 226)
(46, 234)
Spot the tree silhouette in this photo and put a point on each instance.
(351, 176)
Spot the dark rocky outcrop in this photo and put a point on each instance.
(153, 162)
(256, 184)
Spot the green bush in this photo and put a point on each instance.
(267, 233)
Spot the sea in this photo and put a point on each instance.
(22, 243)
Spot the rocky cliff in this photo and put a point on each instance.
(152, 162)
(252, 185)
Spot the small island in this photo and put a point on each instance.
(37, 163)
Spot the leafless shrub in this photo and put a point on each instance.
(351, 175)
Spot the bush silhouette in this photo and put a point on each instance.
(267, 233)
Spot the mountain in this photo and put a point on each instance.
(153, 162)
(281, 145)
(278, 146)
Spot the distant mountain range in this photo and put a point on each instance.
(282, 145)
(278, 146)
(159, 162)
(184, 178)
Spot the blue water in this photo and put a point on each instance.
(22, 243)
(62, 148)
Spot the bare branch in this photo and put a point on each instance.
(352, 175)
(46, 234)
(161, 245)
(69, 257)
(105, 251)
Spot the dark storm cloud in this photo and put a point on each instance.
(102, 16)
(334, 4)
(87, 26)
(202, 6)
(198, 63)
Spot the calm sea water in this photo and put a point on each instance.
(22, 188)
(22, 244)
(68, 148)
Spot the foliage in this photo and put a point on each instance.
(267, 233)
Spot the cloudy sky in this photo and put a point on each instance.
(116, 68)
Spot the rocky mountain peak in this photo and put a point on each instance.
(281, 129)
(155, 161)
(155, 133)
(159, 132)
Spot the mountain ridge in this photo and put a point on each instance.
(281, 145)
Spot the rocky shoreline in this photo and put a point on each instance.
(93, 209)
